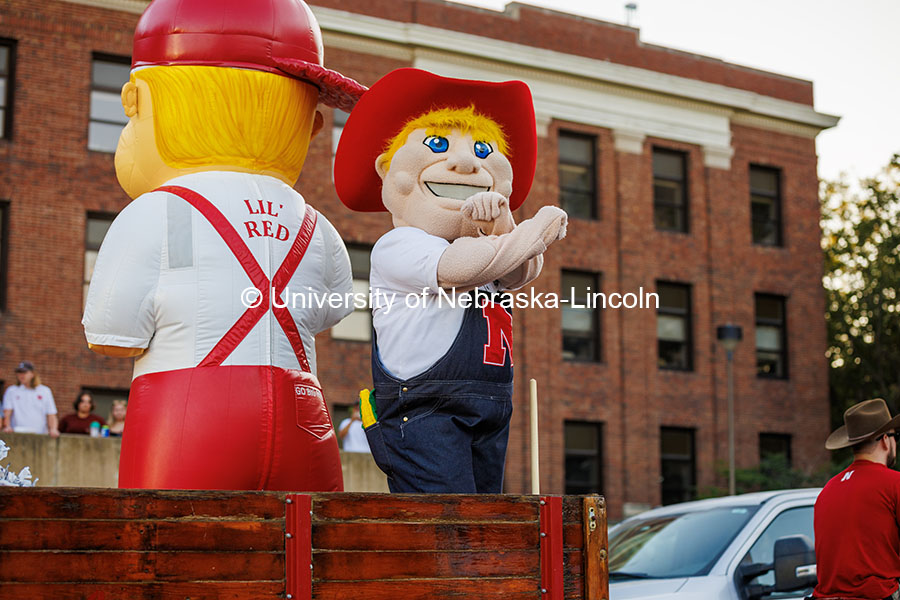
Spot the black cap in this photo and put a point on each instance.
(24, 366)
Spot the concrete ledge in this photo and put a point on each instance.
(83, 461)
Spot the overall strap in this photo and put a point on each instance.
(241, 328)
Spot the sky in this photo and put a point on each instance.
(848, 49)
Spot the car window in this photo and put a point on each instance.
(682, 545)
(794, 521)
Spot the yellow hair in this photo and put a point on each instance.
(444, 120)
(222, 116)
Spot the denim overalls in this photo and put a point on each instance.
(446, 429)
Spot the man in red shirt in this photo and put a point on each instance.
(857, 512)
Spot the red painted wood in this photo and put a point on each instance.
(215, 536)
(552, 547)
(207, 590)
(298, 547)
(431, 589)
(119, 567)
(78, 503)
(362, 566)
(431, 507)
(424, 536)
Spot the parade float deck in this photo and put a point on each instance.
(77, 543)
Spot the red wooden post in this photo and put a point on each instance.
(298, 546)
(551, 548)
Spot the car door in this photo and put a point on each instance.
(791, 518)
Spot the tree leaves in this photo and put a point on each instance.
(861, 243)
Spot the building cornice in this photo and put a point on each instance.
(568, 87)
(130, 6)
(453, 42)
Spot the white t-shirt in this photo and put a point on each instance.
(355, 440)
(414, 325)
(166, 281)
(30, 407)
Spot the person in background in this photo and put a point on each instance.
(351, 434)
(80, 421)
(29, 406)
(117, 418)
(855, 519)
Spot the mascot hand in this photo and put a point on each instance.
(490, 212)
(553, 220)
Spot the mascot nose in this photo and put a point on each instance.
(462, 160)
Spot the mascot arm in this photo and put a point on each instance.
(119, 312)
(469, 262)
(341, 277)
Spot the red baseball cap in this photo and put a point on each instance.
(405, 94)
(275, 36)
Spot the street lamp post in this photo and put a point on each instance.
(729, 335)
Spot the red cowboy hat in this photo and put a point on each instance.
(405, 94)
(275, 36)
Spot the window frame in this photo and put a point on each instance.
(598, 427)
(778, 200)
(111, 58)
(781, 437)
(693, 461)
(8, 107)
(4, 251)
(596, 321)
(685, 206)
(688, 314)
(105, 393)
(783, 325)
(98, 216)
(592, 169)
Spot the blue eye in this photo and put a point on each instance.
(437, 143)
(482, 149)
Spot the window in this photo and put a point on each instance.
(577, 169)
(771, 347)
(108, 75)
(357, 326)
(7, 64)
(670, 190)
(794, 521)
(103, 399)
(673, 326)
(339, 119)
(97, 226)
(4, 251)
(678, 465)
(765, 205)
(775, 444)
(580, 324)
(584, 457)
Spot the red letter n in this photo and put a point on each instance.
(499, 332)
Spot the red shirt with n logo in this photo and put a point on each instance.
(857, 533)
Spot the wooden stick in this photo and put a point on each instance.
(535, 455)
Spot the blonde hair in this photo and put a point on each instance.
(444, 120)
(114, 404)
(35, 381)
(224, 116)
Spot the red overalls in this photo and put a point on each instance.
(234, 427)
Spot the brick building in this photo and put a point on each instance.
(684, 176)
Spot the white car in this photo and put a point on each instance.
(717, 549)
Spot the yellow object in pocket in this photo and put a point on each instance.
(367, 408)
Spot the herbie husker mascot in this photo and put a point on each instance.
(450, 159)
(193, 276)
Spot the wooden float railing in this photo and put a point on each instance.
(68, 543)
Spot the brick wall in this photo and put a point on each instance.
(52, 181)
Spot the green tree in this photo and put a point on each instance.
(861, 241)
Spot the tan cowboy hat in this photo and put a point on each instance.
(862, 421)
